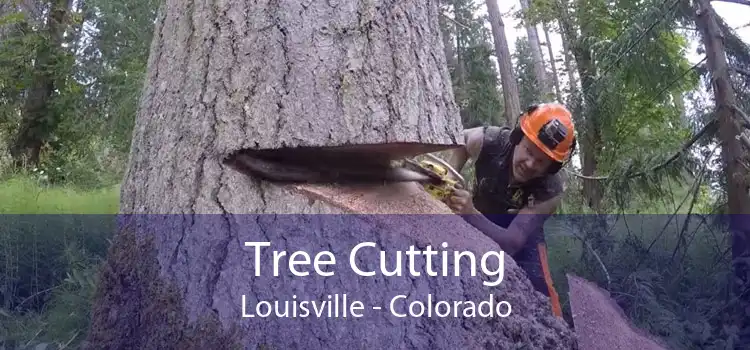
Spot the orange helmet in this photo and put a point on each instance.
(550, 127)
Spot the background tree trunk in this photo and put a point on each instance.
(733, 156)
(536, 55)
(584, 108)
(510, 86)
(460, 70)
(448, 45)
(230, 76)
(569, 67)
(38, 116)
(553, 64)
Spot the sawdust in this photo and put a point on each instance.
(532, 324)
(394, 198)
(600, 323)
(397, 201)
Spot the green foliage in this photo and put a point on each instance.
(480, 99)
(123, 42)
(17, 51)
(97, 85)
(665, 276)
(529, 89)
(29, 195)
(638, 66)
(476, 86)
(668, 273)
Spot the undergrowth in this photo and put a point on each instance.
(48, 262)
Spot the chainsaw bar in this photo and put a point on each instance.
(325, 168)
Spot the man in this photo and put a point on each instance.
(518, 185)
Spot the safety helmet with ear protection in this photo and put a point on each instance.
(550, 127)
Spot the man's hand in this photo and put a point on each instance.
(461, 202)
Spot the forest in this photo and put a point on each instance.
(660, 93)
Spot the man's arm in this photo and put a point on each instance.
(473, 139)
(528, 221)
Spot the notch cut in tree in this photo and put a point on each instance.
(225, 77)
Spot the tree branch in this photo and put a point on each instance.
(741, 2)
(745, 140)
(741, 71)
(454, 21)
(745, 122)
(671, 159)
(743, 116)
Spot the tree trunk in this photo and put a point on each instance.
(733, 156)
(679, 103)
(591, 138)
(447, 42)
(569, 68)
(38, 119)
(536, 56)
(233, 76)
(553, 64)
(510, 85)
(460, 70)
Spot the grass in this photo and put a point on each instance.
(22, 195)
(48, 263)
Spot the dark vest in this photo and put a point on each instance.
(494, 196)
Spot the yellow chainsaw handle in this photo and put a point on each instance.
(450, 168)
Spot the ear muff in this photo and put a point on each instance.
(557, 166)
(516, 135)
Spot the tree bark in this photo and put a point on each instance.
(733, 155)
(508, 80)
(553, 64)
(536, 56)
(229, 76)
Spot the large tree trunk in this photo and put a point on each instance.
(540, 71)
(508, 80)
(733, 156)
(230, 76)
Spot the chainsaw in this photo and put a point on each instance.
(332, 165)
(447, 178)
